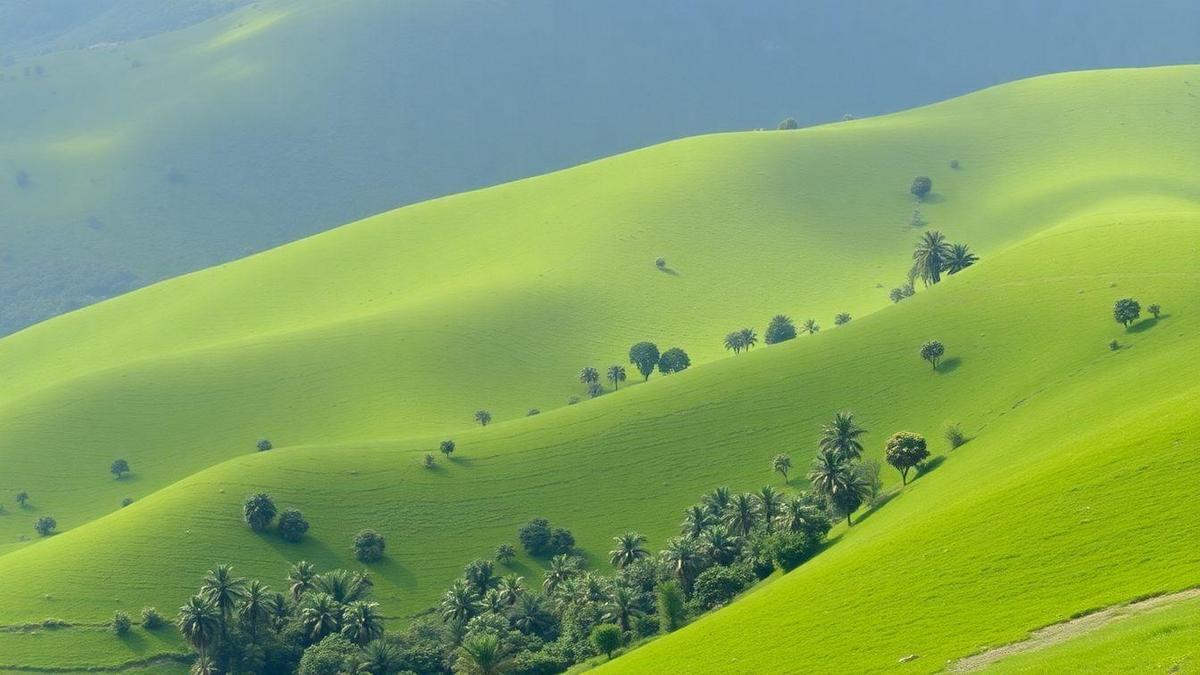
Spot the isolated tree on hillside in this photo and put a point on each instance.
(1126, 311)
(929, 258)
(781, 464)
(447, 447)
(200, 624)
(749, 338)
(483, 417)
(505, 553)
(263, 445)
(535, 536)
(629, 547)
(733, 342)
(673, 360)
(616, 375)
(810, 326)
(368, 546)
(259, 511)
(932, 352)
(589, 375)
(22, 498)
(644, 355)
(960, 259)
(1154, 310)
(45, 525)
(841, 437)
(119, 468)
(921, 186)
(292, 525)
(788, 124)
(841, 319)
(779, 330)
(903, 451)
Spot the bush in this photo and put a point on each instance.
(1155, 310)
(327, 657)
(258, 511)
(542, 662)
(292, 525)
(572, 400)
(532, 411)
(841, 319)
(955, 435)
(429, 460)
(151, 619)
(954, 164)
(126, 502)
(606, 638)
(447, 447)
(263, 445)
(790, 549)
(718, 585)
(660, 262)
(1114, 345)
(787, 124)
(55, 623)
(671, 611)
(921, 186)
(45, 525)
(368, 546)
(895, 295)
(535, 536)
(917, 219)
(594, 389)
(120, 623)
(645, 625)
(781, 329)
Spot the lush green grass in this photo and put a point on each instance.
(399, 326)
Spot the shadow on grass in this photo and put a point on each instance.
(668, 270)
(933, 198)
(1145, 324)
(879, 503)
(949, 365)
(929, 465)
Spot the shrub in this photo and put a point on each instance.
(1155, 310)
(292, 525)
(789, 549)
(718, 585)
(535, 536)
(572, 400)
(368, 546)
(660, 262)
(532, 411)
(505, 553)
(55, 623)
(673, 360)
(907, 290)
(327, 657)
(1114, 345)
(903, 451)
(120, 623)
(429, 460)
(932, 352)
(788, 124)
(263, 445)
(954, 164)
(594, 389)
(447, 448)
(671, 610)
(955, 435)
(606, 638)
(119, 468)
(151, 619)
(645, 625)
(895, 295)
(1126, 311)
(45, 525)
(126, 502)
(483, 417)
(921, 186)
(258, 511)
(22, 498)
(868, 470)
(561, 541)
(779, 330)
(841, 319)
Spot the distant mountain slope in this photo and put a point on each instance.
(123, 165)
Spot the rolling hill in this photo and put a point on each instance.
(357, 350)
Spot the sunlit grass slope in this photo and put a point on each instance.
(1073, 189)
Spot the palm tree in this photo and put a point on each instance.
(720, 546)
(255, 609)
(629, 549)
(510, 588)
(344, 586)
(589, 375)
(301, 578)
(809, 326)
(749, 338)
(742, 514)
(529, 615)
(200, 624)
(223, 590)
(960, 259)
(682, 557)
(380, 658)
(734, 343)
(361, 622)
(505, 553)
(621, 607)
(492, 602)
(562, 567)
(768, 505)
(320, 615)
(717, 501)
(459, 602)
(930, 257)
(841, 436)
(616, 375)
(782, 464)
(835, 479)
(798, 514)
(696, 520)
(483, 655)
(280, 611)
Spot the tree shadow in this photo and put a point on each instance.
(933, 198)
(1145, 324)
(668, 270)
(880, 501)
(929, 465)
(949, 365)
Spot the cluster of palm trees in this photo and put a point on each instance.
(780, 329)
(590, 378)
(231, 614)
(837, 473)
(934, 255)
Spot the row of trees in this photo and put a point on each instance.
(780, 329)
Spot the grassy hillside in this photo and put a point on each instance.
(399, 326)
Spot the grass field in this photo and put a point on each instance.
(357, 350)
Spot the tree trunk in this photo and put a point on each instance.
(904, 477)
(848, 523)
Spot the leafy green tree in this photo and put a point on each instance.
(835, 480)
(320, 615)
(644, 355)
(616, 375)
(781, 329)
(482, 654)
(447, 447)
(932, 352)
(790, 549)
(734, 342)
(120, 622)
(742, 514)
(929, 257)
(622, 607)
(22, 498)
(119, 468)
(629, 548)
(361, 622)
(589, 375)
(45, 525)
(263, 445)
(535, 536)
(960, 259)
(1154, 310)
(696, 519)
(1126, 311)
(329, 656)
(561, 540)
(788, 124)
(768, 505)
(673, 360)
(810, 326)
(259, 511)
(606, 638)
(460, 602)
(483, 417)
(903, 451)
(224, 590)
(292, 525)
(920, 187)
(301, 578)
(749, 338)
(672, 611)
(719, 584)
(841, 436)
(841, 319)
(781, 465)
(368, 546)
(505, 553)
(200, 624)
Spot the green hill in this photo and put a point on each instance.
(1075, 189)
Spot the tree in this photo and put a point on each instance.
(800, 513)
(447, 447)
(671, 609)
(787, 124)
(1155, 310)
(483, 417)
(719, 545)
(606, 638)
(561, 540)
(895, 295)
(320, 615)
(45, 525)
(682, 557)
(768, 505)
(733, 342)
(673, 360)
(660, 262)
(151, 619)
(717, 501)
(810, 326)
(292, 525)
(589, 375)
(329, 656)
(749, 338)
(594, 389)
(301, 578)
(622, 607)
(460, 602)
(836, 481)
(960, 259)
(529, 615)
(696, 520)
(22, 498)
(1126, 311)
(120, 623)
(505, 553)
(644, 355)
(781, 465)
(907, 290)
(535, 536)
(742, 514)
(789, 549)
(259, 511)
(119, 468)
(428, 460)
(841, 319)
(616, 375)
(719, 584)
(921, 186)
(841, 436)
(368, 546)
(263, 445)
(481, 574)
(929, 258)
(200, 624)
(903, 451)
(482, 654)
(223, 590)
(932, 352)
(629, 548)
(254, 610)
(361, 622)
(562, 567)
(381, 658)
(779, 330)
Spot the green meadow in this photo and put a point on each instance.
(357, 350)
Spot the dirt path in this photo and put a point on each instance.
(1061, 632)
